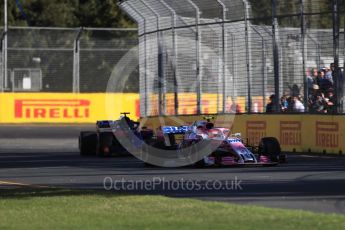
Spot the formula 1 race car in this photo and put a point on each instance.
(105, 140)
(224, 149)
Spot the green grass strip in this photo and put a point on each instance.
(90, 210)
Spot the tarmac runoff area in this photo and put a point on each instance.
(47, 156)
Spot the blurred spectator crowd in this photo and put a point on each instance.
(323, 85)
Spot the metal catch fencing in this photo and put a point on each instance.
(63, 59)
(225, 56)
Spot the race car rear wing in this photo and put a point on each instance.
(175, 129)
(105, 126)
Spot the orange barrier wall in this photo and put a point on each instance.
(210, 104)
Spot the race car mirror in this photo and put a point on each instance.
(209, 118)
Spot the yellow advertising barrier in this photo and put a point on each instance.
(65, 107)
(87, 108)
(300, 133)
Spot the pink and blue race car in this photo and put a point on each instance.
(216, 146)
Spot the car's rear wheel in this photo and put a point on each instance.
(270, 147)
(105, 143)
(87, 143)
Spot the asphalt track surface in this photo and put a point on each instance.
(47, 156)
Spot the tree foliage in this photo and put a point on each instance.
(66, 13)
(318, 13)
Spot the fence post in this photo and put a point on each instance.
(174, 43)
(343, 81)
(224, 61)
(3, 81)
(161, 81)
(337, 73)
(234, 72)
(318, 49)
(145, 55)
(263, 66)
(198, 51)
(76, 62)
(248, 56)
(4, 40)
(303, 45)
(336, 31)
(275, 57)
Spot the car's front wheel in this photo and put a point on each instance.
(270, 147)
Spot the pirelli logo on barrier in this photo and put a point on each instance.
(255, 131)
(327, 134)
(291, 133)
(52, 109)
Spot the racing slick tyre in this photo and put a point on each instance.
(270, 147)
(105, 144)
(88, 143)
(194, 156)
(200, 164)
